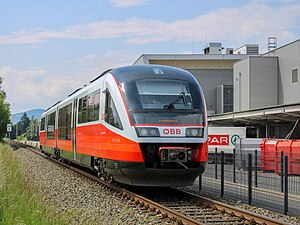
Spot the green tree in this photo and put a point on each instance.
(4, 112)
(23, 124)
(33, 130)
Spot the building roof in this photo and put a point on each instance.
(145, 58)
(280, 113)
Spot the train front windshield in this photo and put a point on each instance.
(164, 102)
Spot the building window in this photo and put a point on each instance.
(295, 75)
(228, 98)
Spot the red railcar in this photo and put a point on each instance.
(140, 125)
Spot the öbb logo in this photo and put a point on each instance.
(171, 131)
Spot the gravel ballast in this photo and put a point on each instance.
(81, 200)
(238, 204)
(85, 202)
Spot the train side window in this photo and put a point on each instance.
(96, 105)
(90, 107)
(51, 126)
(61, 122)
(42, 127)
(64, 122)
(82, 111)
(79, 110)
(111, 114)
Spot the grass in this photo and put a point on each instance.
(19, 202)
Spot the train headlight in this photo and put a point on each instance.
(194, 132)
(154, 132)
(144, 132)
(147, 131)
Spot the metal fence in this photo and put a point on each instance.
(271, 182)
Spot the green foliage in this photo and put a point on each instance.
(24, 123)
(26, 128)
(33, 131)
(19, 201)
(4, 113)
(22, 126)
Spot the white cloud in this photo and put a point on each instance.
(88, 58)
(37, 88)
(253, 21)
(107, 60)
(128, 3)
(32, 88)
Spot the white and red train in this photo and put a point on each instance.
(140, 125)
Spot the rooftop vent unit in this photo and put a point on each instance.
(272, 43)
(248, 49)
(229, 51)
(213, 49)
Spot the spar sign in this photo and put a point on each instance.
(222, 139)
(218, 139)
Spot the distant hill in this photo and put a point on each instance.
(34, 112)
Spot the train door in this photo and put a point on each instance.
(46, 129)
(74, 127)
(56, 126)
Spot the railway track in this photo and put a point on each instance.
(181, 207)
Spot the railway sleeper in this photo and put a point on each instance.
(216, 218)
(194, 212)
(221, 221)
(183, 207)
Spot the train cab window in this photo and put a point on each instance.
(82, 111)
(42, 125)
(164, 94)
(51, 126)
(64, 122)
(96, 105)
(164, 101)
(111, 114)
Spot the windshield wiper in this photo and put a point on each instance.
(171, 105)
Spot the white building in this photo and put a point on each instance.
(243, 88)
(266, 92)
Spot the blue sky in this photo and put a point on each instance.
(49, 48)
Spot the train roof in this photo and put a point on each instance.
(129, 73)
(136, 72)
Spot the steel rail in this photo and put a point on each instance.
(163, 210)
(238, 212)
